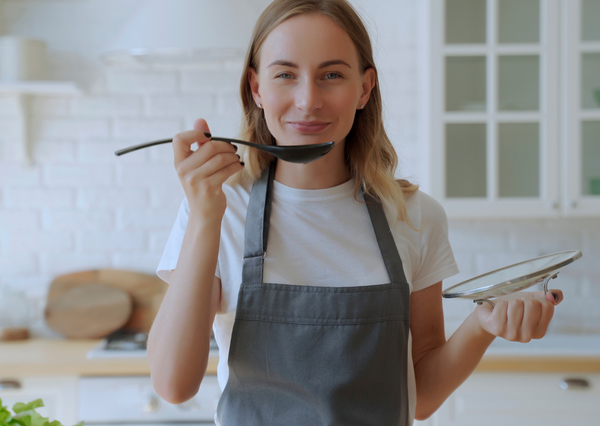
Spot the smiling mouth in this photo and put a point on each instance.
(309, 126)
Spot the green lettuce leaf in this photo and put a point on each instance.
(33, 419)
(19, 407)
(5, 416)
(25, 415)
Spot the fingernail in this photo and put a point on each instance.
(242, 163)
(234, 147)
(239, 158)
(555, 296)
(208, 135)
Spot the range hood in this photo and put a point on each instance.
(184, 31)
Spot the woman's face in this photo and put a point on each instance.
(309, 82)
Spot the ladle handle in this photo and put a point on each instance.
(147, 144)
(140, 146)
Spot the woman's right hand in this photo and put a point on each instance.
(203, 172)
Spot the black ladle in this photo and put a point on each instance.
(291, 153)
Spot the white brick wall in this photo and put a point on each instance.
(485, 245)
(81, 207)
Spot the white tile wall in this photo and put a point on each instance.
(81, 207)
(485, 245)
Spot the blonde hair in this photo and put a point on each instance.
(369, 153)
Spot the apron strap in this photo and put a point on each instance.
(256, 233)
(385, 240)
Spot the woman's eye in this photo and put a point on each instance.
(284, 75)
(332, 76)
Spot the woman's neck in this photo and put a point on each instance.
(326, 172)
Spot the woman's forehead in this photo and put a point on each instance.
(310, 39)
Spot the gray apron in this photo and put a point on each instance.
(309, 356)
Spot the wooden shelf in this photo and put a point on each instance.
(40, 88)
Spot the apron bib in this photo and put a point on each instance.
(310, 356)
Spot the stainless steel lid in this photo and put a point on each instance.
(513, 278)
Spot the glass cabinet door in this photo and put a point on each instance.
(590, 97)
(582, 193)
(496, 115)
(515, 107)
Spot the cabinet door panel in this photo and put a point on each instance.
(465, 83)
(590, 81)
(590, 158)
(524, 400)
(519, 159)
(518, 21)
(590, 16)
(465, 21)
(466, 160)
(519, 83)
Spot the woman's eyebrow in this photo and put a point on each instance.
(322, 65)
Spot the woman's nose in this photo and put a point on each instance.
(308, 97)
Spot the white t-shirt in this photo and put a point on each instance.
(321, 238)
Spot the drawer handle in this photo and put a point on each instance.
(9, 384)
(575, 384)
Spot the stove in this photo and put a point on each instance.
(130, 344)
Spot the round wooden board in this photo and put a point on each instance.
(91, 311)
(146, 291)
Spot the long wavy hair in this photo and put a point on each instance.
(369, 154)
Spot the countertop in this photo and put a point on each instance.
(553, 353)
(58, 357)
(62, 357)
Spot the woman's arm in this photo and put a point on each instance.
(179, 341)
(441, 366)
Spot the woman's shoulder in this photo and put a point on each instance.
(424, 210)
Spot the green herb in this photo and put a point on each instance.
(25, 415)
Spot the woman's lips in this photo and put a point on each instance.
(309, 126)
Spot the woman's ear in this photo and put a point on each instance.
(368, 82)
(254, 86)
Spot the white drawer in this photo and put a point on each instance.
(524, 399)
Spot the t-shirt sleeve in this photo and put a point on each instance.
(171, 252)
(437, 259)
(170, 255)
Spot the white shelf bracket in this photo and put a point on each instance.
(23, 102)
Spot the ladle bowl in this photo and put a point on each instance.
(290, 153)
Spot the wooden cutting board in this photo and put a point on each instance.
(146, 291)
(89, 311)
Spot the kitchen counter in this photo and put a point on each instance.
(62, 357)
(57, 357)
(553, 353)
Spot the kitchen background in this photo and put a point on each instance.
(77, 206)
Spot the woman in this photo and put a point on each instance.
(323, 280)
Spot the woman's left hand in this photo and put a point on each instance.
(519, 317)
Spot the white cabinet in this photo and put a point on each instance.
(58, 393)
(512, 100)
(522, 399)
